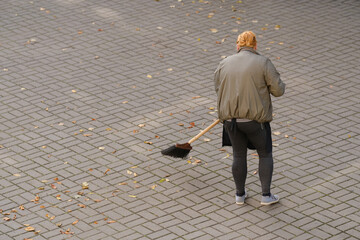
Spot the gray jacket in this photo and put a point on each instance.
(243, 83)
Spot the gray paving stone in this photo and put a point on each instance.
(320, 109)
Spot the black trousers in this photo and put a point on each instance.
(259, 135)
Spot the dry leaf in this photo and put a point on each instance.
(141, 125)
(277, 133)
(111, 221)
(213, 30)
(108, 129)
(30, 229)
(74, 91)
(101, 148)
(132, 196)
(21, 207)
(106, 171)
(81, 205)
(53, 186)
(6, 219)
(123, 183)
(75, 222)
(85, 185)
(150, 143)
(149, 76)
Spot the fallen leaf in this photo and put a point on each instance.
(108, 129)
(74, 91)
(149, 76)
(17, 175)
(132, 196)
(277, 133)
(106, 171)
(81, 205)
(30, 229)
(141, 125)
(150, 143)
(213, 30)
(277, 27)
(75, 222)
(85, 185)
(111, 221)
(21, 207)
(53, 186)
(123, 183)
(6, 218)
(101, 148)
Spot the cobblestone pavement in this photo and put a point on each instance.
(92, 91)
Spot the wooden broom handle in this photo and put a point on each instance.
(203, 131)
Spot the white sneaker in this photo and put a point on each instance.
(268, 200)
(240, 199)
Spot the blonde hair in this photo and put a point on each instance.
(246, 39)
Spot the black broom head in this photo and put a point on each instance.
(177, 151)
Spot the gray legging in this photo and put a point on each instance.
(257, 135)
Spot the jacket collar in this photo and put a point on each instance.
(250, 49)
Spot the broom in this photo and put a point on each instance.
(182, 150)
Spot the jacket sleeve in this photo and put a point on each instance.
(217, 78)
(272, 77)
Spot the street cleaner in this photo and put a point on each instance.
(243, 83)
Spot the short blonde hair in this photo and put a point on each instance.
(246, 39)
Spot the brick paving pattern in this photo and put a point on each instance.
(92, 91)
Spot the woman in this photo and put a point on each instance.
(243, 83)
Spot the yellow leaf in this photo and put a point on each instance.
(213, 30)
(132, 196)
(149, 76)
(74, 91)
(30, 229)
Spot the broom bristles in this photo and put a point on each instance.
(177, 151)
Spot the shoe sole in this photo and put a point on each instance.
(269, 203)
